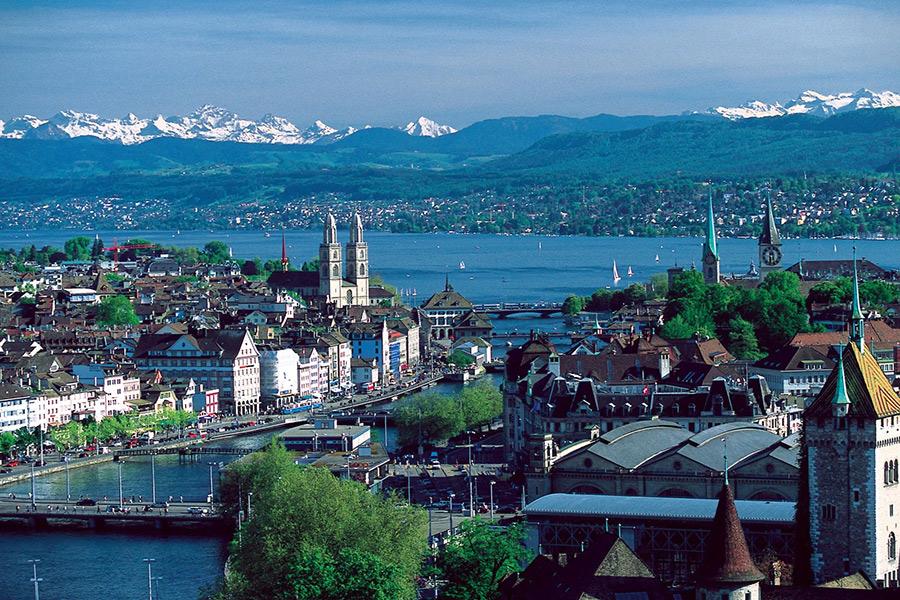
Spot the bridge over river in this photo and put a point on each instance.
(501, 310)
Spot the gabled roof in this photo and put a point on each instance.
(447, 299)
(294, 279)
(868, 389)
(790, 358)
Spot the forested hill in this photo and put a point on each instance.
(861, 141)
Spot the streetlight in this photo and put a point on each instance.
(68, 487)
(153, 476)
(211, 491)
(492, 500)
(408, 485)
(471, 495)
(121, 495)
(430, 530)
(452, 496)
(150, 562)
(33, 492)
(36, 580)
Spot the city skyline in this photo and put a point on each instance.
(355, 61)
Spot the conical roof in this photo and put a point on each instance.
(726, 558)
(867, 387)
(710, 242)
(769, 232)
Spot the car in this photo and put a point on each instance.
(160, 505)
(86, 502)
(12, 463)
(5, 470)
(196, 510)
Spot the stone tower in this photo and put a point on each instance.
(357, 264)
(852, 437)
(769, 244)
(710, 251)
(727, 570)
(330, 264)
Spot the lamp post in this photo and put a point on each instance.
(408, 485)
(35, 579)
(150, 562)
(452, 495)
(471, 495)
(153, 477)
(68, 487)
(121, 495)
(430, 529)
(211, 490)
(492, 500)
(33, 492)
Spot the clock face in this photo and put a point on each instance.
(771, 255)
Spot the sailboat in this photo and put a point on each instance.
(540, 245)
(657, 258)
(630, 273)
(462, 266)
(616, 277)
(835, 248)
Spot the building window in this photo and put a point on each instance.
(829, 512)
(892, 546)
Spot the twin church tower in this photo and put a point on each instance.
(769, 246)
(338, 289)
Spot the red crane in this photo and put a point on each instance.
(116, 247)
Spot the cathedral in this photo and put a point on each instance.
(769, 245)
(341, 287)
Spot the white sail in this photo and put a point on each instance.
(630, 272)
(616, 277)
(657, 258)
(462, 266)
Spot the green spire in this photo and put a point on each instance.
(840, 389)
(857, 323)
(711, 228)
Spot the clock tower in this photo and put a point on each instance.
(769, 244)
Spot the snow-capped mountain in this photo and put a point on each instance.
(423, 126)
(207, 122)
(810, 102)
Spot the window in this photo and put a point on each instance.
(892, 546)
(829, 512)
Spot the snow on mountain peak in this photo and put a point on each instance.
(811, 102)
(423, 126)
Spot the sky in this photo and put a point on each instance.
(384, 62)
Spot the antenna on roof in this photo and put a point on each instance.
(725, 458)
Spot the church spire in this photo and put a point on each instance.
(711, 228)
(284, 257)
(857, 322)
(726, 557)
(329, 235)
(770, 231)
(840, 403)
(356, 229)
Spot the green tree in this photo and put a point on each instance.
(573, 305)
(428, 418)
(474, 562)
(216, 252)
(250, 267)
(7, 442)
(741, 340)
(311, 266)
(313, 535)
(460, 358)
(116, 310)
(78, 248)
(480, 404)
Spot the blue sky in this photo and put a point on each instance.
(353, 62)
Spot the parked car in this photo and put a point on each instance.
(86, 502)
(160, 505)
(196, 510)
(12, 463)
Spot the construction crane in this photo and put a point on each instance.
(116, 247)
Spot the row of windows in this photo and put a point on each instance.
(891, 475)
(807, 379)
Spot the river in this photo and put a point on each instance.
(83, 564)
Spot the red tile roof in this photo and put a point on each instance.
(726, 558)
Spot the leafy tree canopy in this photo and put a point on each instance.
(116, 310)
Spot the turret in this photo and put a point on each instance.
(357, 264)
(330, 264)
(840, 403)
(330, 232)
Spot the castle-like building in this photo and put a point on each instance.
(769, 244)
(852, 439)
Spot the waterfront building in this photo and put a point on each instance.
(451, 316)
(365, 374)
(278, 377)
(327, 436)
(373, 341)
(852, 437)
(21, 407)
(821, 270)
(120, 387)
(710, 257)
(770, 253)
(312, 373)
(223, 359)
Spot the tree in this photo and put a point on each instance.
(460, 358)
(78, 248)
(474, 562)
(480, 404)
(216, 252)
(116, 310)
(250, 267)
(428, 418)
(573, 305)
(741, 340)
(311, 266)
(314, 536)
(7, 442)
(97, 248)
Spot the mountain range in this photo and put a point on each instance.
(206, 123)
(492, 136)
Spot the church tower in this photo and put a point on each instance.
(710, 251)
(330, 276)
(769, 244)
(358, 264)
(852, 438)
